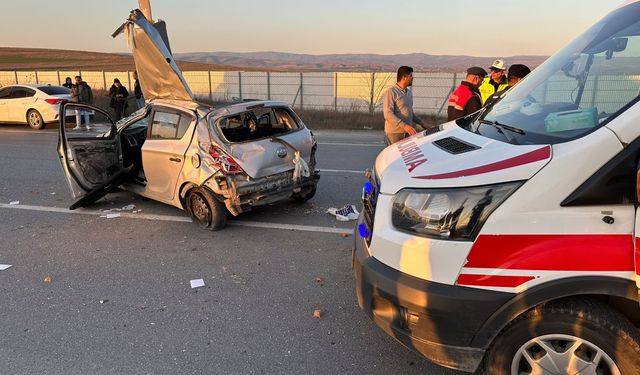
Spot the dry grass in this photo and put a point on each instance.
(313, 118)
(350, 120)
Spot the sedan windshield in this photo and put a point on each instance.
(574, 92)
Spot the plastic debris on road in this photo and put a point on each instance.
(197, 283)
(47, 280)
(346, 213)
(112, 216)
(317, 313)
(13, 203)
(4, 266)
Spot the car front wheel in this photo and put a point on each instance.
(206, 210)
(576, 336)
(34, 119)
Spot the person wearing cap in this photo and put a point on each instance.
(465, 99)
(497, 81)
(515, 74)
(397, 106)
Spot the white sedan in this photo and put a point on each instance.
(35, 105)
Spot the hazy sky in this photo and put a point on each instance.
(457, 27)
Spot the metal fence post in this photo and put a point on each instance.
(59, 82)
(301, 92)
(453, 87)
(16, 74)
(335, 91)
(596, 82)
(240, 84)
(104, 80)
(268, 86)
(210, 87)
(129, 79)
(36, 72)
(373, 85)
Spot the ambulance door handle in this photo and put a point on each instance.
(609, 220)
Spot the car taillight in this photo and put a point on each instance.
(225, 163)
(53, 101)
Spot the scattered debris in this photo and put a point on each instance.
(312, 206)
(47, 280)
(320, 281)
(4, 266)
(344, 234)
(317, 313)
(14, 203)
(346, 213)
(112, 216)
(128, 207)
(104, 300)
(53, 193)
(197, 283)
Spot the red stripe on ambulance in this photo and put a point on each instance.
(530, 157)
(493, 280)
(549, 252)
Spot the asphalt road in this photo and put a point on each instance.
(92, 295)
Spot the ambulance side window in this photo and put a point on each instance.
(614, 183)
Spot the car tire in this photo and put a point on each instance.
(578, 330)
(301, 198)
(35, 120)
(206, 210)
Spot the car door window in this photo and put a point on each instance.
(285, 120)
(169, 125)
(5, 92)
(21, 92)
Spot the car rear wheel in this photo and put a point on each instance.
(573, 336)
(34, 119)
(301, 198)
(206, 210)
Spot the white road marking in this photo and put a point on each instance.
(322, 170)
(351, 144)
(181, 219)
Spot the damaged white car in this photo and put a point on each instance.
(209, 161)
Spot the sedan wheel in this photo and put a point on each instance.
(34, 119)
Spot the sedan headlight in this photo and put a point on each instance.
(455, 214)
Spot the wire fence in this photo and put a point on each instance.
(341, 91)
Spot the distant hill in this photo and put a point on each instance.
(53, 59)
(278, 61)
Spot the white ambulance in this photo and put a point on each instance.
(505, 242)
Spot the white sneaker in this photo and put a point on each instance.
(76, 128)
(87, 127)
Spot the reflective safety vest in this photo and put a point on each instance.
(487, 89)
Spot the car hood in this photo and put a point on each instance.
(453, 157)
(158, 73)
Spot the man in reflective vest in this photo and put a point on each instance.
(465, 100)
(497, 80)
(516, 73)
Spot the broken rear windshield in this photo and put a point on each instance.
(258, 123)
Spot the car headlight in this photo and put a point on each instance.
(455, 214)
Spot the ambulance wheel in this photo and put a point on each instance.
(206, 210)
(301, 198)
(571, 336)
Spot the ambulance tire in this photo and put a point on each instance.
(596, 325)
(206, 210)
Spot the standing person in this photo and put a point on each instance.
(515, 74)
(399, 119)
(497, 81)
(68, 83)
(119, 95)
(466, 100)
(81, 93)
(137, 91)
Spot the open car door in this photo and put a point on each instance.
(90, 152)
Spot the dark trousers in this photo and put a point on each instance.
(392, 138)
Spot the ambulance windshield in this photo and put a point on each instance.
(579, 89)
